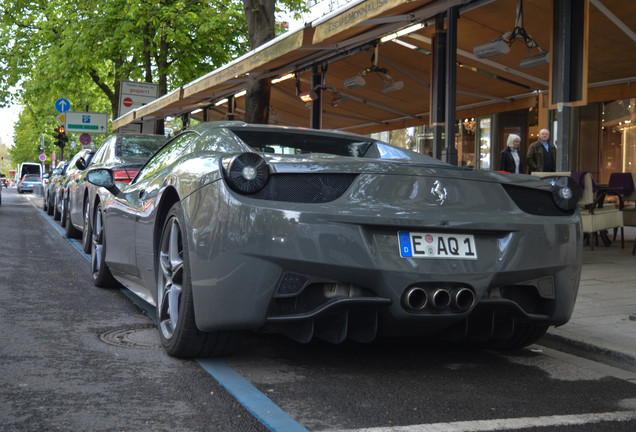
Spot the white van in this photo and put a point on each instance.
(32, 168)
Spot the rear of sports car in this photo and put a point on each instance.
(337, 248)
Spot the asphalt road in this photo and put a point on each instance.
(77, 358)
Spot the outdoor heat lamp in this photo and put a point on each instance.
(308, 96)
(491, 49)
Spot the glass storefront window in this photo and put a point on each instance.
(466, 143)
(618, 152)
(485, 138)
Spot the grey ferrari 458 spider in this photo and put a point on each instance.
(232, 227)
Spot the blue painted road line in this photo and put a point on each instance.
(261, 407)
(75, 243)
(266, 411)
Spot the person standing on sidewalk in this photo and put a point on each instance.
(542, 154)
(510, 158)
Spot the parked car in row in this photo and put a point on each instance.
(124, 154)
(311, 233)
(60, 210)
(52, 185)
(28, 183)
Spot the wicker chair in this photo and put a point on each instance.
(595, 218)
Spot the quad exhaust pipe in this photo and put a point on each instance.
(415, 298)
(457, 299)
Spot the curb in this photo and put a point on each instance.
(589, 351)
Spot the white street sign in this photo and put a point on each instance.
(134, 95)
(86, 122)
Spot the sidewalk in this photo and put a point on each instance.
(607, 299)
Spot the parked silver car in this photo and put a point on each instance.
(233, 227)
(60, 210)
(124, 154)
(28, 183)
(51, 186)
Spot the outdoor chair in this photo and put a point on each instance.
(627, 181)
(595, 218)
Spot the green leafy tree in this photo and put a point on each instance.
(260, 16)
(54, 48)
(82, 50)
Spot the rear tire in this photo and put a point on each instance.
(102, 277)
(57, 215)
(71, 231)
(50, 205)
(87, 232)
(175, 306)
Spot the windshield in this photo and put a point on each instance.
(32, 178)
(139, 148)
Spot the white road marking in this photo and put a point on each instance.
(508, 424)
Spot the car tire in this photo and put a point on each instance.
(87, 232)
(45, 203)
(56, 213)
(102, 277)
(64, 214)
(71, 231)
(49, 205)
(178, 332)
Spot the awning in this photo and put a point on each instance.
(343, 45)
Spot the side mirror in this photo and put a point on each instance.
(80, 164)
(103, 177)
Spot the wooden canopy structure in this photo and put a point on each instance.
(344, 45)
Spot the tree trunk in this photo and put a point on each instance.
(260, 23)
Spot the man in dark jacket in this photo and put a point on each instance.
(542, 154)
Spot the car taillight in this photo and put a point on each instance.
(124, 175)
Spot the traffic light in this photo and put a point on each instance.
(60, 137)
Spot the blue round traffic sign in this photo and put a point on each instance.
(62, 105)
(85, 139)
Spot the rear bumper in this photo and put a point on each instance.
(255, 267)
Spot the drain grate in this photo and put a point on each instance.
(138, 336)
